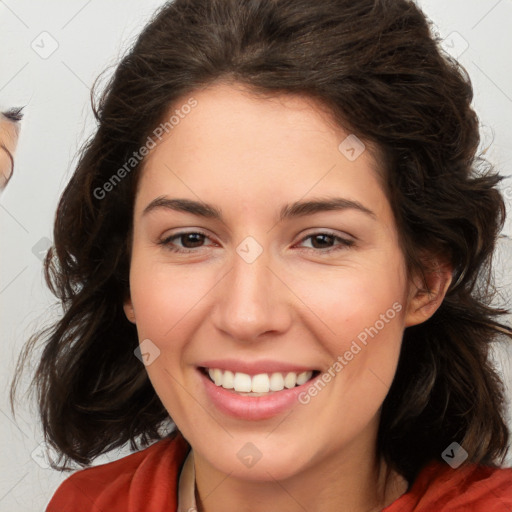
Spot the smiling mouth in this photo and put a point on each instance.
(260, 384)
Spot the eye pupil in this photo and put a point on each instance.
(322, 237)
(195, 238)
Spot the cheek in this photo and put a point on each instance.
(360, 320)
(167, 300)
(354, 301)
(5, 168)
(365, 323)
(167, 307)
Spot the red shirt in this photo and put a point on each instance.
(147, 481)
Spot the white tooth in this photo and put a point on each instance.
(303, 377)
(290, 380)
(217, 377)
(242, 382)
(276, 382)
(261, 383)
(227, 380)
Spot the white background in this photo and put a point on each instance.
(91, 35)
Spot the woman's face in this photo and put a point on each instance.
(266, 287)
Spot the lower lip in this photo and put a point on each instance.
(252, 407)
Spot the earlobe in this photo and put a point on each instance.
(424, 301)
(129, 311)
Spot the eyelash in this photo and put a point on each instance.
(345, 243)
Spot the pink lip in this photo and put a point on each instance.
(254, 367)
(252, 408)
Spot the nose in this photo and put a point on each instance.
(252, 301)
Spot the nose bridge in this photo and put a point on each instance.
(251, 300)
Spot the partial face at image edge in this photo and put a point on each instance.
(9, 133)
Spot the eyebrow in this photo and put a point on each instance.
(289, 211)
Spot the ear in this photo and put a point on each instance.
(428, 290)
(129, 311)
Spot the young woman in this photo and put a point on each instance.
(279, 239)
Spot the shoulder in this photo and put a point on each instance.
(470, 487)
(145, 480)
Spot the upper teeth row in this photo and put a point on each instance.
(261, 383)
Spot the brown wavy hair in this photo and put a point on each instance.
(377, 66)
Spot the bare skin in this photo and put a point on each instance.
(295, 303)
(9, 132)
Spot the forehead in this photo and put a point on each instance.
(251, 121)
(246, 145)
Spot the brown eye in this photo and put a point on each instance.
(192, 240)
(188, 241)
(323, 242)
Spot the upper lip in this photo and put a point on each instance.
(255, 367)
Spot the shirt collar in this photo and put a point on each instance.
(187, 486)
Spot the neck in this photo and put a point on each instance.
(358, 482)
